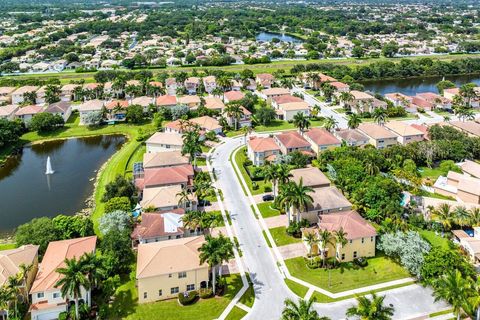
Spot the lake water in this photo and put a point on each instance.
(26, 192)
(268, 36)
(416, 85)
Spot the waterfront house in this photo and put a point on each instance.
(11, 261)
(164, 141)
(167, 198)
(164, 159)
(434, 100)
(61, 108)
(88, 107)
(8, 111)
(26, 113)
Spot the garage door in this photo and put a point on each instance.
(48, 316)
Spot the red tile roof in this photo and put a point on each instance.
(351, 222)
(155, 177)
(292, 139)
(286, 99)
(166, 100)
(322, 137)
(234, 95)
(153, 224)
(262, 144)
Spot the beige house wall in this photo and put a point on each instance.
(363, 249)
(468, 197)
(149, 288)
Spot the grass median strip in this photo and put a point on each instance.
(296, 288)
(266, 209)
(236, 314)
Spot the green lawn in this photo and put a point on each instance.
(236, 314)
(407, 117)
(431, 173)
(435, 240)
(248, 297)
(380, 269)
(296, 288)
(284, 125)
(281, 238)
(266, 209)
(170, 309)
(7, 246)
(240, 158)
(266, 239)
(340, 110)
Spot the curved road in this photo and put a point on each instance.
(270, 288)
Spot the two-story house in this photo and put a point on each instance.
(260, 150)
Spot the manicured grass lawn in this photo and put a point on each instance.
(380, 269)
(171, 309)
(248, 297)
(201, 161)
(340, 110)
(297, 288)
(266, 239)
(266, 209)
(284, 125)
(434, 240)
(236, 314)
(281, 237)
(240, 158)
(7, 246)
(432, 173)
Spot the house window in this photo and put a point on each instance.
(381, 141)
(160, 292)
(350, 241)
(343, 256)
(56, 295)
(174, 290)
(190, 287)
(363, 240)
(354, 254)
(169, 275)
(40, 295)
(182, 275)
(371, 239)
(145, 295)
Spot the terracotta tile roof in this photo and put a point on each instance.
(25, 89)
(6, 111)
(432, 97)
(6, 90)
(159, 224)
(398, 96)
(114, 103)
(58, 107)
(91, 86)
(164, 159)
(57, 252)
(262, 144)
(471, 167)
(360, 95)
(156, 84)
(214, 103)
(133, 83)
(143, 101)
(33, 109)
(292, 139)
(170, 81)
(402, 129)
(156, 177)
(234, 95)
(351, 222)
(293, 106)
(452, 91)
(207, 123)
(161, 197)
(193, 80)
(286, 99)
(328, 198)
(422, 103)
(469, 126)
(189, 100)
(351, 135)
(422, 128)
(275, 91)
(10, 261)
(375, 131)
(339, 85)
(170, 256)
(91, 105)
(209, 79)
(311, 177)
(322, 137)
(166, 100)
(166, 138)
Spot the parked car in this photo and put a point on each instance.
(268, 197)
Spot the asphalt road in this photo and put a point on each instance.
(270, 288)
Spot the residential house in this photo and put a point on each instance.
(88, 107)
(10, 262)
(164, 141)
(167, 101)
(164, 159)
(41, 95)
(451, 93)
(287, 111)
(6, 94)
(167, 268)
(18, 95)
(435, 100)
(260, 150)
(378, 136)
(167, 198)
(360, 235)
(460, 186)
(310, 177)
(171, 86)
(207, 124)
(265, 80)
(422, 104)
(191, 84)
(320, 139)
(277, 101)
(47, 299)
(245, 119)
(193, 102)
(210, 83)
(405, 133)
(61, 108)
(67, 92)
(292, 141)
(423, 129)
(470, 243)
(325, 200)
(26, 113)
(117, 110)
(471, 168)
(236, 85)
(214, 103)
(8, 111)
(233, 95)
(166, 176)
(352, 137)
(340, 86)
(160, 226)
(361, 101)
(314, 79)
(144, 101)
(471, 128)
(400, 100)
(271, 93)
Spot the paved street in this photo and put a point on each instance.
(270, 289)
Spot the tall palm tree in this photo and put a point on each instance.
(234, 112)
(371, 309)
(330, 124)
(313, 78)
(340, 241)
(270, 174)
(92, 268)
(301, 311)
(5, 298)
(455, 289)
(461, 216)
(354, 121)
(380, 116)
(25, 270)
(315, 110)
(312, 240)
(301, 121)
(283, 174)
(215, 251)
(72, 281)
(192, 145)
(52, 93)
(346, 98)
(183, 197)
(191, 220)
(325, 238)
(443, 215)
(297, 197)
(474, 219)
(13, 285)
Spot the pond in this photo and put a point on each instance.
(415, 85)
(268, 36)
(26, 192)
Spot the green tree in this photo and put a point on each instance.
(234, 112)
(358, 51)
(390, 49)
(301, 121)
(330, 124)
(44, 122)
(380, 116)
(454, 289)
(192, 145)
(265, 115)
(296, 196)
(371, 308)
(301, 311)
(354, 121)
(39, 231)
(118, 203)
(444, 84)
(120, 187)
(325, 238)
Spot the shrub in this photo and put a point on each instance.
(206, 293)
(63, 315)
(361, 262)
(254, 185)
(294, 229)
(247, 163)
(267, 189)
(314, 263)
(118, 203)
(187, 298)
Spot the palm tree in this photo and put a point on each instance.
(52, 93)
(325, 238)
(78, 93)
(234, 112)
(315, 110)
(72, 281)
(312, 240)
(191, 220)
(330, 124)
(215, 251)
(301, 311)
(270, 174)
(371, 309)
(380, 116)
(30, 97)
(13, 285)
(92, 268)
(340, 241)
(455, 289)
(296, 197)
(301, 121)
(354, 121)
(6, 297)
(25, 270)
(283, 174)
(370, 165)
(183, 197)
(461, 216)
(314, 79)
(443, 215)
(192, 145)
(246, 130)
(474, 219)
